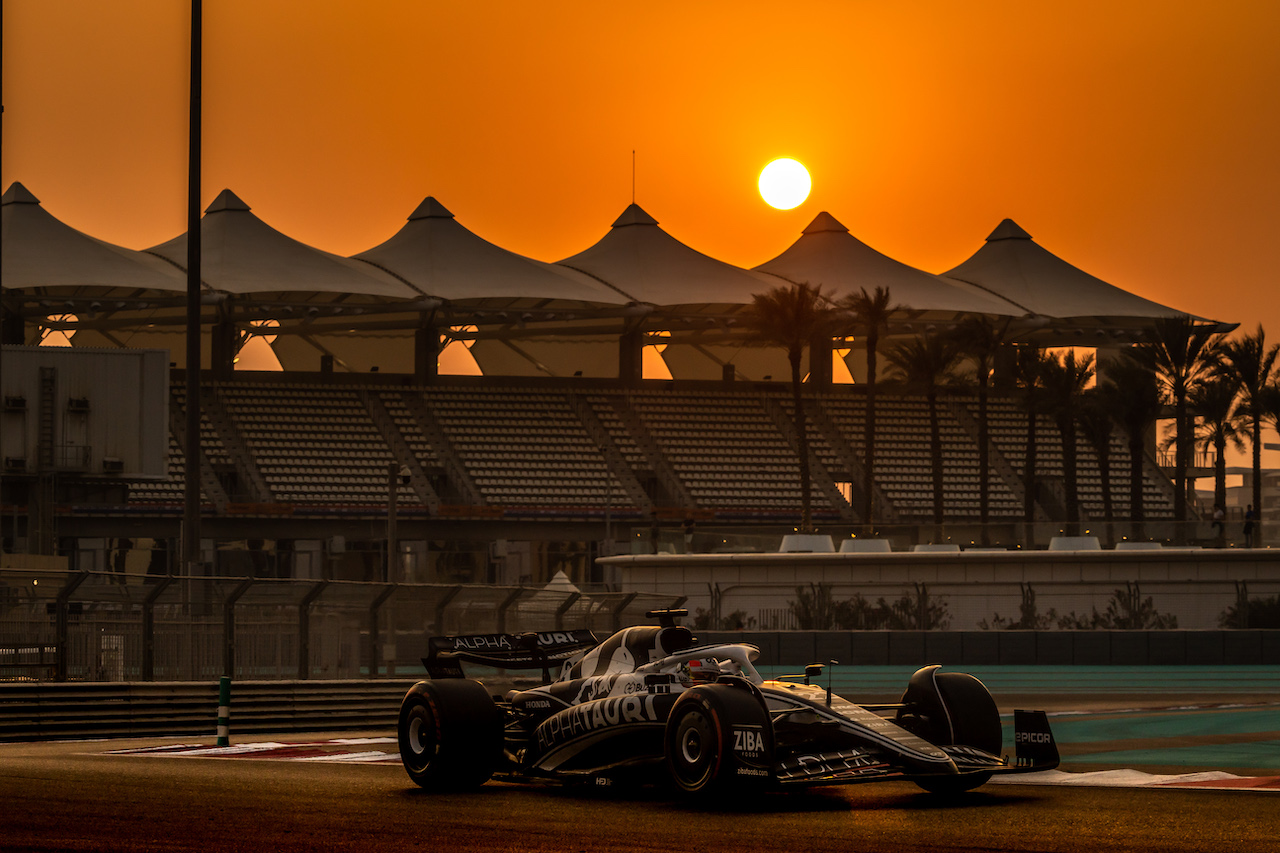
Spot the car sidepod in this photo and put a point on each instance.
(600, 735)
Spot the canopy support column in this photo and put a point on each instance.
(223, 349)
(12, 327)
(631, 357)
(426, 354)
(820, 362)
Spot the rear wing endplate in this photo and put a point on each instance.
(1033, 741)
(505, 651)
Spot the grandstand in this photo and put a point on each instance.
(304, 458)
(562, 446)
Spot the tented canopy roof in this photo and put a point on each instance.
(827, 255)
(40, 251)
(442, 258)
(1013, 266)
(646, 264)
(242, 254)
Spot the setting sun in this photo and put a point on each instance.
(784, 183)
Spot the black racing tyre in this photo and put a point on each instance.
(450, 734)
(959, 712)
(719, 740)
(975, 718)
(951, 708)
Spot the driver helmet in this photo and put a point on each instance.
(703, 670)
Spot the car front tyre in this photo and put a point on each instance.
(719, 740)
(694, 750)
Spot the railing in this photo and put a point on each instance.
(670, 536)
(55, 711)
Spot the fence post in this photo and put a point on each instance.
(224, 711)
(304, 629)
(443, 603)
(63, 606)
(505, 606)
(373, 628)
(229, 627)
(564, 608)
(622, 605)
(149, 628)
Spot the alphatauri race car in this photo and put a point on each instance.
(648, 704)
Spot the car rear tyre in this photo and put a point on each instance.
(450, 734)
(719, 740)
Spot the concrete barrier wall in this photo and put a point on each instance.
(73, 710)
(1010, 648)
(1196, 587)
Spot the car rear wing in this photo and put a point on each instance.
(1034, 746)
(505, 651)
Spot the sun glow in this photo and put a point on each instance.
(785, 183)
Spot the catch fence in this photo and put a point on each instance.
(87, 626)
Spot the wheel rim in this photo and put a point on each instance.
(691, 746)
(695, 750)
(420, 736)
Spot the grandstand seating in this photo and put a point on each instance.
(524, 447)
(319, 447)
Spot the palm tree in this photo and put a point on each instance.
(1094, 419)
(1269, 405)
(792, 317)
(1029, 368)
(1216, 420)
(871, 312)
(1180, 353)
(981, 338)
(1064, 382)
(926, 363)
(1128, 389)
(1250, 362)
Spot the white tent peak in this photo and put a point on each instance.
(1008, 230)
(648, 265)
(1014, 267)
(560, 583)
(226, 200)
(243, 254)
(826, 254)
(430, 209)
(824, 222)
(42, 251)
(634, 215)
(18, 194)
(441, 257)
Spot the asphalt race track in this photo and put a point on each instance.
(77, 796)
(1133, 741)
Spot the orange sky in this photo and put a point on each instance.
(1137, 140)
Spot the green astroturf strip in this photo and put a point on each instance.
(1081, 680)
(1165, 724)
(1261, 754)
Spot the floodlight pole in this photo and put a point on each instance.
(191, 495)
(393, 540)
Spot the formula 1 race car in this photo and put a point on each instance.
(648, 703)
